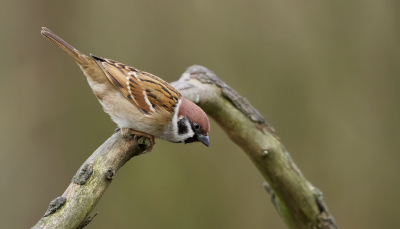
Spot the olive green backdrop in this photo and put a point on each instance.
(326, 74)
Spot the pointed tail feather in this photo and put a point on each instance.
(78, 56)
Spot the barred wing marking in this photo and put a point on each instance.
(147, 92)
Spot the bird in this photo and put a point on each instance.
(138, 100)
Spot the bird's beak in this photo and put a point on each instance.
(204, 139)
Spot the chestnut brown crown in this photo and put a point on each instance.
(195, 115)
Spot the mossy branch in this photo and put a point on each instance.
(71, 210)
(298, 203)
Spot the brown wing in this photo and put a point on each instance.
(146, 91)
(159, 92)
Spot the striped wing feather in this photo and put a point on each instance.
(159, 92)
(146, 91)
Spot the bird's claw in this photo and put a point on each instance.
(149, 136)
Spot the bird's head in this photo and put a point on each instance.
(193, 124)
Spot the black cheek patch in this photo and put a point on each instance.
(182, 128)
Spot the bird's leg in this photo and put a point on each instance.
(149, 136)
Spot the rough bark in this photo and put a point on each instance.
(71, 210)
(298, 202)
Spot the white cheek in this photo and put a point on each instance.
(180, 137)
(190, 132)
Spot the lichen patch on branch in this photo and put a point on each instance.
(84, 175)
(55, 205)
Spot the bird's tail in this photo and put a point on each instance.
(78, 56)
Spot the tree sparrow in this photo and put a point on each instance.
(139, 100)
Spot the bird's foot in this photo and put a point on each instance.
(149, 136)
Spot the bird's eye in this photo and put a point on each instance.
(196, 126)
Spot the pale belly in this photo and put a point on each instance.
(124, 113)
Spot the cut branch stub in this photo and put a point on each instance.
(110, 174)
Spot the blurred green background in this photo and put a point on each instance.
(325, 74)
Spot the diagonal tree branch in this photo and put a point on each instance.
(298, 203)
(71, 210)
